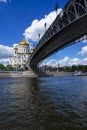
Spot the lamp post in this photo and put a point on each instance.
(38, 36)
(45, 25)
(56, 8)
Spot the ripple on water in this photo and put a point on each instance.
(57, 103)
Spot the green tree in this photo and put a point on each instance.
(74, 68)
(68, 69)
(2, 67)
(9, 67)
(80, 68)
(85, 68)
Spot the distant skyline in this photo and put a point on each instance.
(20, 19)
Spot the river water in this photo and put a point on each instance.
(51, 103)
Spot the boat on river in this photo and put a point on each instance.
(81, 74)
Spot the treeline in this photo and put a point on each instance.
(7, 67)
(73, 68)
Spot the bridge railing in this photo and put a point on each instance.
(73, 10)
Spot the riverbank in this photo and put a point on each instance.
(32, 74)
(60, 73)
(17, 74)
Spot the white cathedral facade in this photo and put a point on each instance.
(21, 56)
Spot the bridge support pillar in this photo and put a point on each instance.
(34, 71)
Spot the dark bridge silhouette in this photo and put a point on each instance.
(68, 26)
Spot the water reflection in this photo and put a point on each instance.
(24, 105)
(43, 103)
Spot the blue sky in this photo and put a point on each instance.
(21, 19)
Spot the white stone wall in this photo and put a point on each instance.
(23, 49)
(21, 56)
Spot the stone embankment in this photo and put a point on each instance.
(60, 73)
(17, 74)
(32, 74)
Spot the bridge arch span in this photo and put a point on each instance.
(69, 25)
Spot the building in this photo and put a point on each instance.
(21, 56)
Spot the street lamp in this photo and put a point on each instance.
(45, 25)
(38, 36)
(56, 8)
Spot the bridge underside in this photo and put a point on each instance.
(61, 39)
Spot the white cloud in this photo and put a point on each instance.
(75, 61)
(83, 52)
(5, 52)
(70, 61)
(84, 61)
(51, 62)
(66, 61)
(4, 61)
(15, 44)
(37, 26)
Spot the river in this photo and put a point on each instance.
(50, 103)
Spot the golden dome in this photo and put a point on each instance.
(24, 42)
(15, 48)
(32, 49)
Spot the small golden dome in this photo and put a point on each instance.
(32, 49)
(15, 48)
(24, 42)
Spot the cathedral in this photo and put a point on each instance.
(21, 56)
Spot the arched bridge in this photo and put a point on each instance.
(68, 26)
